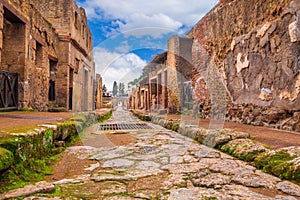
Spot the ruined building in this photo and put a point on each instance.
(245, 65)
(98, 92)
(167, 78)
(46, 55)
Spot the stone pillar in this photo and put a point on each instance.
(98, 91)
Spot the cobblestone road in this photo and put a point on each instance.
(165, 165)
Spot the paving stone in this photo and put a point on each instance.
(141, 157)
(189, 159)
(228, 167)
(205, 152)
(109, 177)
(81, 152)
(175, 180)
(184, 168)
(284, 198)
(176, 159)
(252, 179)
(117, 163)
(29, 190)
(113, 188)
(211, 180)
(131, 174)
(111, 154)
(92, 167)
(145, 165)
(209, 193)
(289, 188)
(242, 192)
(164, 160)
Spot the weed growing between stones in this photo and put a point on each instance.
(102, 118)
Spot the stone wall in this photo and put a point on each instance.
(52, 53)
(167, 75)
(25, 47)
(78, 74)
(179, 63)
(256, 57)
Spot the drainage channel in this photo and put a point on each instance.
(123, 126)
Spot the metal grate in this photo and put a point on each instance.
(124, 126)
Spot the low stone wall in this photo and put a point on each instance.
(283, 163)
(20, 147)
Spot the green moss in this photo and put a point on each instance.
(57, 109)
(279, 165)
(6, 159)
(175, 127)
(210, 198)
(23, 173)
(141, 116)
(250, 157)
(102, 118)
(48, 141)
(30, 153)
(19, 129)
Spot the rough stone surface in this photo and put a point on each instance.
(51, 50)
(289, 188)
(245, 149)
(256, 61)
(39, 187)
(147, 169)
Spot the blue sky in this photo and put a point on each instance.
(128, 33)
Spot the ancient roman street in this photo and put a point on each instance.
(159, 164)
(150, 100)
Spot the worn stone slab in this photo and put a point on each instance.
(211, 180)
(40, 187)
(289, 188)
(118, 163)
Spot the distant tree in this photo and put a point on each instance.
(104, 89)
(115, 89)
(121, 88)
(136, 80)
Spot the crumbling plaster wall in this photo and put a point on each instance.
(254, 45)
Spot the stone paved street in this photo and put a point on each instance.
(162, 164)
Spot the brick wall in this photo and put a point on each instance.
(179, 63)
(50, 36)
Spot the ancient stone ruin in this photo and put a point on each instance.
(47, 47)
(243, 67)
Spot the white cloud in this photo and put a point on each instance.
(166, 15)
(124, 47)
(139, 24)
(118, 67)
